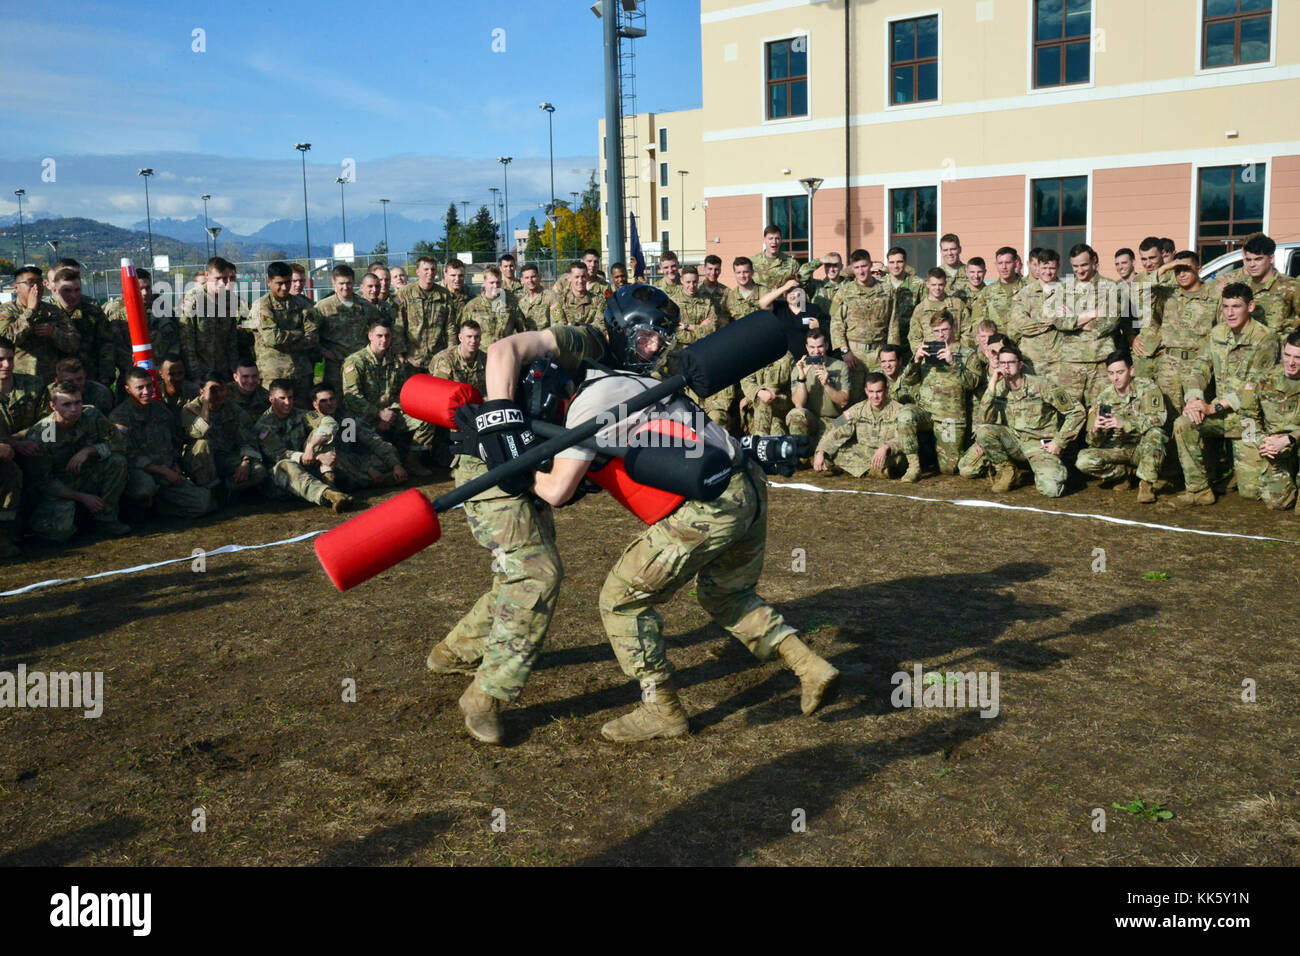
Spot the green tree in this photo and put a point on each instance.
(381, 249)
(425, 248)
(452, 236)
(482, 233)
(534, 247)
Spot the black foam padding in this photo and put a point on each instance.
(737, 349)
(700, 473)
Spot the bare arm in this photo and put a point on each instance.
(507, 357)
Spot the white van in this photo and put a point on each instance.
(1286, 260)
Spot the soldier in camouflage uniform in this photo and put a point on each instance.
(287, 333)
(465, 361)
(767, 401)
(1277, 297)
(1089, 327)
(40, 333)
(823, 290)
(507, 264)
(957, 282)
(453, 280)
(937, 301)
(96, 352)
(1180, 323)
(1279, 403)
(532, 300)
(876, 437)
(771, 269)
(590, 262)
(862, 320)
(494, 311)
(72, 372)
(344, 320)
(1235, 358)
(1131, 436)
(906, 287)
(368, 290)
(176, 389)
(423, 324)
(1025, 419)
(21, 403)
(711, 285)
(79, 461)
(743, 299)
(290, 447)
(942, 392)
(892, 366)
(222, 453)
(671, 280)
(698, 318)
(994, 301)
(372, 392)
(245, 390)
(1036, 311)
(152, 444)
(363, 459)
(576, 305)
(821, 390)
(164, 333)
(212, 318)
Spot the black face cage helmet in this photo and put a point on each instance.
(635, 308)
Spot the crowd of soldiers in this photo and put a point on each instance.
(890, 375)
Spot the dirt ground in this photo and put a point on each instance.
(223, 691)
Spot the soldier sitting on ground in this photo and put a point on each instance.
(71, 372)
(223, 454)
(1128, 431)
(821, 391)
(372, 389)
(80, 463)
(246, 390)
(176, 387)
(1279, 402)
(152, 443)
(289, 448)
(875, 438)
(362, 458)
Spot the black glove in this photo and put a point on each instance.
(776, 454)
(500, 433)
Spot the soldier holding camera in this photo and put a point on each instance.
(942, 376)
(821, 391)
(1128, 431)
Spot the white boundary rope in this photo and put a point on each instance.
(977, 503)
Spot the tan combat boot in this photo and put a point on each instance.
(913, 473)
(443, 660)
(337, 500)
(1189, 498)
(1146, 493)
(482, 715)
(818, 680)
(659, 715)
(1004, 477)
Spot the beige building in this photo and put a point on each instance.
(1008, 122)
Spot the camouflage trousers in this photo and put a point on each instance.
(1113, 459)
(292, 480)
(1003, 444)
(11, 497)
(208, 468)
(801, 421)
(1278, 483)
(505, 628)
(867, 359)
(767, 418)
(55, 519)
(721, 545)
(718, 406)
(1246, 459)
(1084, 381)
(1169, 372)
(974, 463)
(183, 500)
(949, 437)
(855, 460)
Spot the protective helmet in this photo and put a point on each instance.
(639, 308)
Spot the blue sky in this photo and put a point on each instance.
(413, 92)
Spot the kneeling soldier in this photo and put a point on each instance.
(223, 454)
(876, 438)
(1128, 431)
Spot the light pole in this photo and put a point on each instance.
(22, 238)
(387, 251)
(343, 209)
(812, 184)
(573, 221)
(306, 223)
(505, 182)
(206, 227)
(683, 173)
(496, 214)
(148, 220)
(550, 131)
(213, 231)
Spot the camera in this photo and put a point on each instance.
(814, 360)
(932, 350)
(1105, 410)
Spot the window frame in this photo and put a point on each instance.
(1196, 240)
(764, 44)
(663, 139)
(663, 175)
(787, 242)
(1032, 64)
(889, 220)
(889, 64)
(1199, 68)
(665, 205)
(1030, 228)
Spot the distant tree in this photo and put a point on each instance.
(482, 232)
(381, 249)
(534, 242)
(452, 234)
(7, 266)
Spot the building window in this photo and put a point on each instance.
(663, 207)
(914, 225)
(1062, 42)
(787, 78)
(1235, 32)
(914, 59)
(790, 215)
(1230, 206)
(1060, 213)
(663, 241)
(663, 139)
(663, 174)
